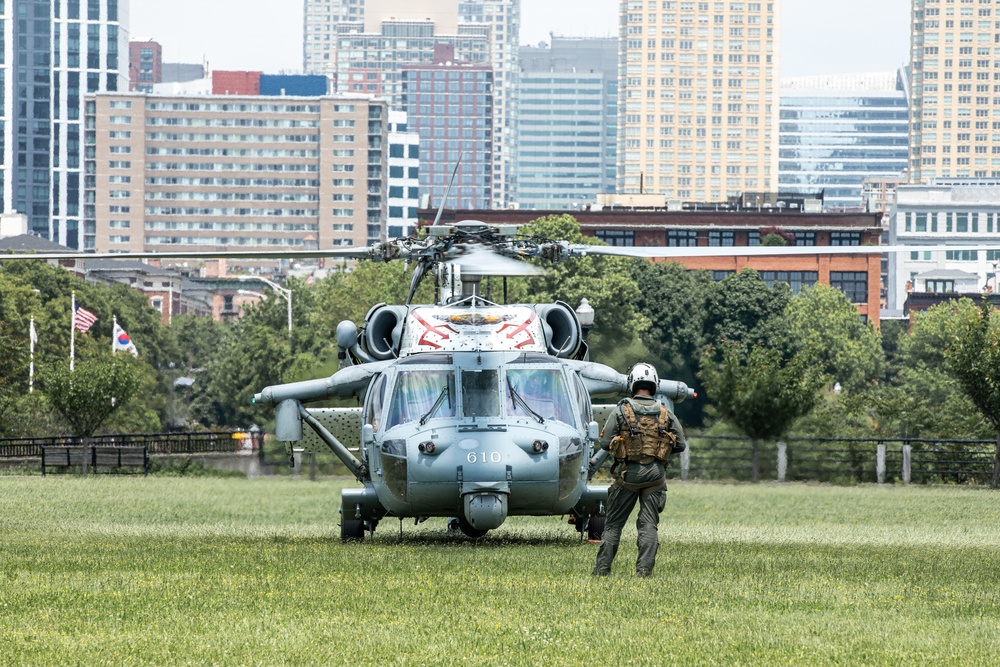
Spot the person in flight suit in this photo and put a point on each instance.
(640, 434)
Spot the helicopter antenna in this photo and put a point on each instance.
(421, 269)
(454, 172)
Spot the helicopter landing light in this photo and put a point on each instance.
(427, 447)
(539, 446)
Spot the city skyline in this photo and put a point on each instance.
(856, 35)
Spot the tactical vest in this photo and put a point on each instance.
(644, 433)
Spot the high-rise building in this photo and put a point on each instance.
(404, 176)
(145, 65)
(320, 21)
(837, 130)
(567, 122)
(504, 19)
(364, 44)
(57, 52)
(698, 98)
(245, 172)
(449, 104)
(954, 107)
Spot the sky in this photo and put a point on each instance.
(817, 36)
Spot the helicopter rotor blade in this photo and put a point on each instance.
(681, 252)
(484, 261)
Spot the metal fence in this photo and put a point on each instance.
(839, 460)
(203, 442)
(832, 460)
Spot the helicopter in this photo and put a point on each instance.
(471, 410)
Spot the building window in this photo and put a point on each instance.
(853, 283)
(805, 238)
(795, 279)
(753, 237)
(717, 238)
(962, 255)
(682, 238)
(845, 238)
(721, 275)
(939, 286)
(616, 237)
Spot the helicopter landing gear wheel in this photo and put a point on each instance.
(462, 524)
(352, 530)
(595, 527)
(592, 524)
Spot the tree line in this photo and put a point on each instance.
(765, 362)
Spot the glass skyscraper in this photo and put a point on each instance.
(567, 122)
(57, 52)
(837, 130)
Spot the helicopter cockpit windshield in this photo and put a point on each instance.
(538, 393)
(419, 395)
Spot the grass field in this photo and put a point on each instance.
(129, 571)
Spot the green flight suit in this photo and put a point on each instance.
(648, 488)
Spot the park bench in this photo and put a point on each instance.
(102, 458)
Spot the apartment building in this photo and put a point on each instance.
(449, 105)
(954, 102)
(364, 44)
(235, 172)
(404, 176)
(698, 98)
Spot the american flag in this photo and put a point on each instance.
(83, 319)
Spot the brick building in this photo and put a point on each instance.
(858, 275)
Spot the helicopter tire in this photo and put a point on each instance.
(467, 528)
(595, 527)
(352, 530)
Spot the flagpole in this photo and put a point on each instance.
(114, 331)
(31, 365)
(72, 333)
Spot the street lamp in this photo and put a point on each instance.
(284, 292)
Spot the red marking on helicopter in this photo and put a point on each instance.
(430, 328)
(523, 327)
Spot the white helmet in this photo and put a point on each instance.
(643, 374)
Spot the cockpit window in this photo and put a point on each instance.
(376, 397)
(479, 394)
(420, 395)
(538, 392)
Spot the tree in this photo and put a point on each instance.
(251, 357)
(743, 309)
(674, 300)
(974, 357)
(824, 323)
(759, 391)
(605, 281)
(89, 395)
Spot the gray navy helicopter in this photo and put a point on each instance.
(471, 410)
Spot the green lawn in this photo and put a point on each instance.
(127, 571)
